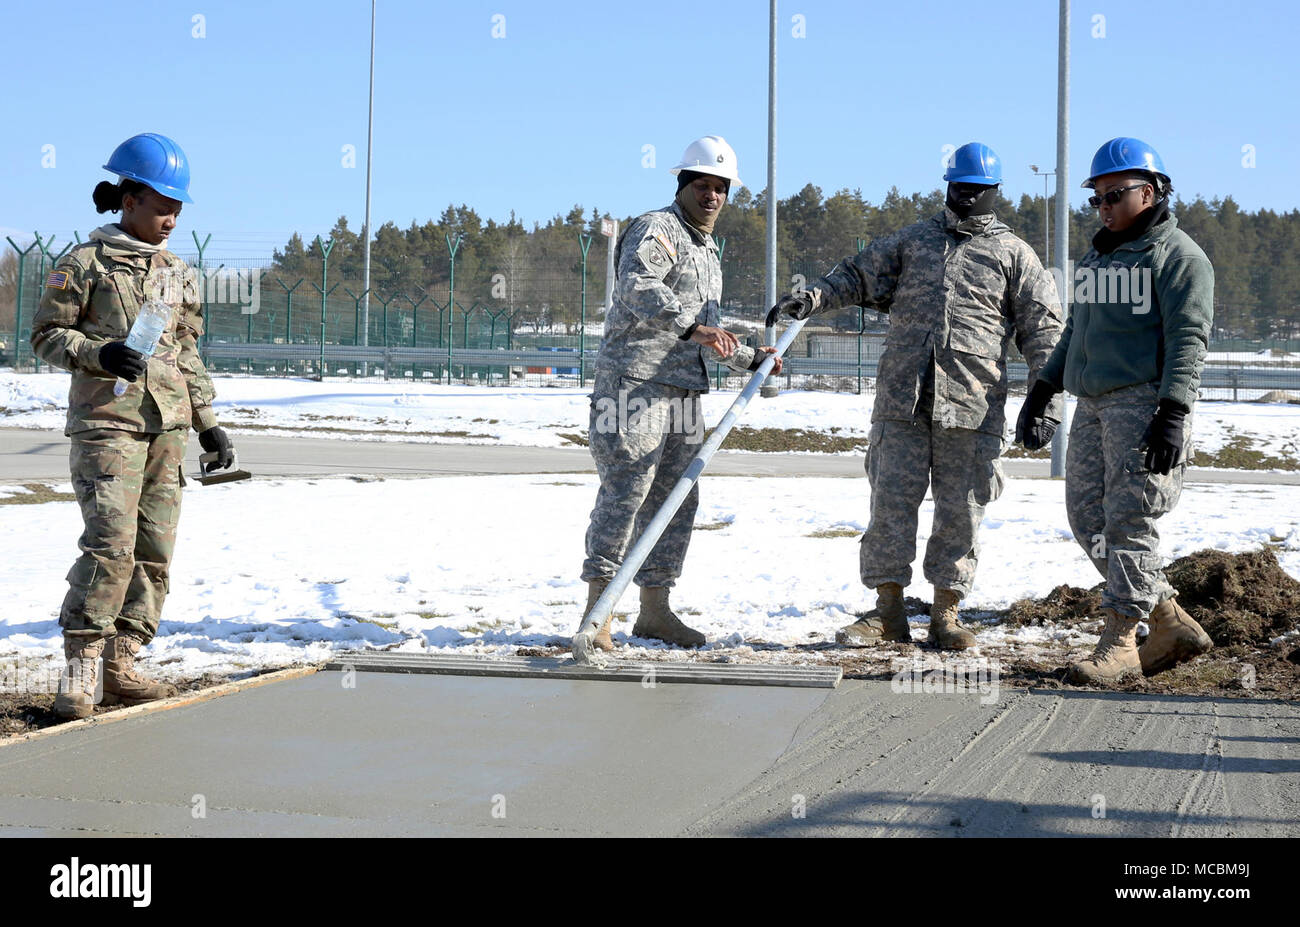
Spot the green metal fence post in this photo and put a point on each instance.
(862, 325)
(584, 242)
(323, 294)
(415, 332)
(415, 318)
(384, 303)
(54, 260)
(325, 249)
(452, 247)
(356, 317)
(203, 288)
(288, 312)
(18, 303)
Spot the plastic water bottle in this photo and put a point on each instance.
(148, 328)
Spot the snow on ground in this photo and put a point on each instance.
(536, 416)
(278, 572)
(410, 411)
(1265, 357)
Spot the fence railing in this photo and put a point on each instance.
(259, 320)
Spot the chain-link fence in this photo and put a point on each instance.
(425, 324)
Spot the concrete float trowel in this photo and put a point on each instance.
(210, 477)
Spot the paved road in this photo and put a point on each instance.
(399, 755)
(29, 454)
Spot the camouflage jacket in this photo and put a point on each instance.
(668, 277)
(92, 298)
(957, 291)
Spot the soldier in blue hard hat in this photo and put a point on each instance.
(127, 449)
(1132, 353)
(959, 288)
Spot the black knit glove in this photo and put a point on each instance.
(215, 440)
(121, 361)
(1035, 428)
(796, 306)
(1164, 437)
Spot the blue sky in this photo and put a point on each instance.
(559, 110)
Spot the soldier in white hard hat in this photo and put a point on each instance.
(646, 424)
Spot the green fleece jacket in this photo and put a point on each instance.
(1140, 314)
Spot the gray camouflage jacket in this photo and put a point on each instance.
(957, 291)
(669, 276)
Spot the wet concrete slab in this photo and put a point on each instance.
(406, 755)
(410, 755)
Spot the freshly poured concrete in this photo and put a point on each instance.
(438, 755)
(409, 755)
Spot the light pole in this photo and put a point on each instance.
(1047, 246)
(365, 257)
(769, 388)
(1063, 203)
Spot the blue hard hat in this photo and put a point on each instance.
(1125, 154)
(974, 163)
(155, 161)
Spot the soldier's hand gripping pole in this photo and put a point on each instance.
(583, 651)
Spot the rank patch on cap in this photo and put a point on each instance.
(57, 280)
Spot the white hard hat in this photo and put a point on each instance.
(710, 155)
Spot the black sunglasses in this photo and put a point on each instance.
(1113, 197)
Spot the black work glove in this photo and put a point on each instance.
(1035, 428)
(796, 306)
(121, 361)
(215, 440)
(1164, 437)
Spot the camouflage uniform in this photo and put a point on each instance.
(1113, 500)
(957, 291)
(127, 450)
(646, 422)
(1120, 356)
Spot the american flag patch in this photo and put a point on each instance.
(668, 245)
(57, 280)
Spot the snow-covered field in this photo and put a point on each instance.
(271, 573)
(277, 572)
(538, 416)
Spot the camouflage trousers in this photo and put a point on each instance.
(961, 467)
(1113, 501)
(642, 436)
(129, 488)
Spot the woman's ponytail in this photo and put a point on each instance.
(107, 196)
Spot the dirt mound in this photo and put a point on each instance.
(1237, 598)
(1063, 605)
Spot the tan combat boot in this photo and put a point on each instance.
(595, 589)
(658, 621)
(945, 631)
(889, 623)
(76, 696)
(121, 682)
(1116, 658)
(1175, 638)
